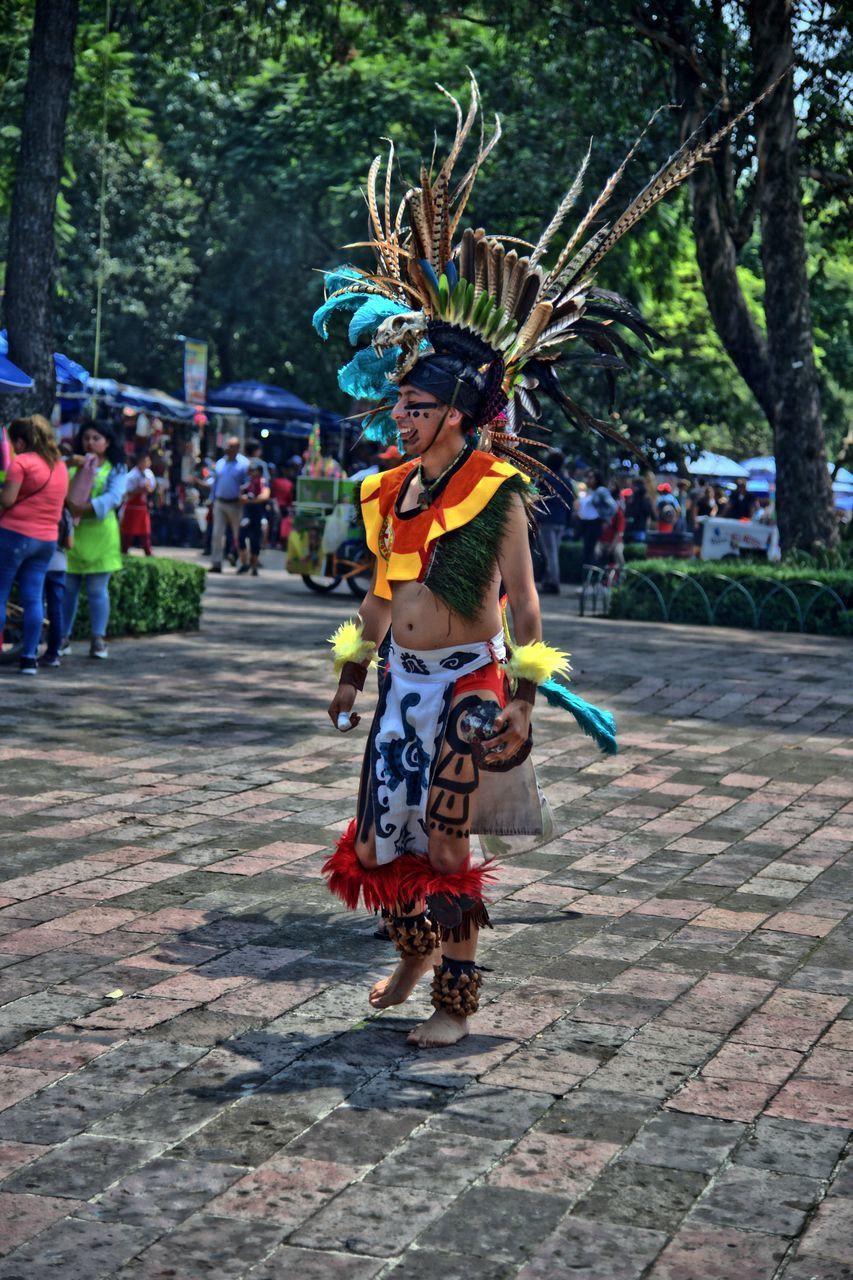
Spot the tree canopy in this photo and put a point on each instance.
(233, 140)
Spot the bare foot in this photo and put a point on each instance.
(442, 1028)
(402, 982)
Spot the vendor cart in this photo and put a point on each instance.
(326, 545)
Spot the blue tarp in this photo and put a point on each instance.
(70, 375)
(763, 473)
(761, 467)
(148, 398)
(260, 400)
(12, 378)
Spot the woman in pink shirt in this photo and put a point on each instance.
(31, 503)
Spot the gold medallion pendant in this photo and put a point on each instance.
(386, 539)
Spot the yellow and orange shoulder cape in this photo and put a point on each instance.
(402, 546)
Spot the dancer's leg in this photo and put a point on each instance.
(450, 817)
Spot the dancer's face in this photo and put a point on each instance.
(419, 418)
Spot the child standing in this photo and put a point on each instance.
(136, 518)
(255, 496)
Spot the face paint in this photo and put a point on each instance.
(416, 423)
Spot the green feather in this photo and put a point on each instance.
(463, 562)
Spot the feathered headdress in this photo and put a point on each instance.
(465, 315)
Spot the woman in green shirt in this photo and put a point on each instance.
(96, 552)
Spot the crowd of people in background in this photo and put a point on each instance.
(605, 514)
(70, 508)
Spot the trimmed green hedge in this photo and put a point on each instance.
(152, 593)
(571, 558)
(774, 597)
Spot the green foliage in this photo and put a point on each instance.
(238, 136)
(150, 594)
(734, 593)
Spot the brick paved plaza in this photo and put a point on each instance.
(194, 1085)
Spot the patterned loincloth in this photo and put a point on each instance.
(407, 735)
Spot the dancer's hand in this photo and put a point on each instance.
(512, 728)
(342, 704)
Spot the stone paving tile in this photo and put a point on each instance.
(786, 1146)
(202, 1246)
(642, 1195)
(286, 1190)
(681, 1141)
(830, 1231)
(554, 1163)
(758, 1200)
(669, 1002)
(359, 1221)
(811, 1268)
(315, 1264)
(815, 1102)
(75, 1250)
(712, 1253)
(594, 1250)
(509, 1222)
(81, 1167)
(165, 1189)
(426, 1263)
(598, 1115)
(24, 1216)
(57, 1113)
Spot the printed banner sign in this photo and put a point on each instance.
(729, 537)
(195, 371)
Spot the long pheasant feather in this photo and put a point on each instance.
(668, 177)
(563, 208)
(598, 204)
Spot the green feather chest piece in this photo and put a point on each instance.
(463, 563)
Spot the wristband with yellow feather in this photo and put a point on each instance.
(349, 645)
(532, 664)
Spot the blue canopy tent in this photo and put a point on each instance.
(761, 467)
(12, 378)
(69, 373)
(149, 399)
(762, 473)
(264, 402)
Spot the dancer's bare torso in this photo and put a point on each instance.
(420, 620)
(423, 621)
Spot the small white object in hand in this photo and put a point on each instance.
(344, 721)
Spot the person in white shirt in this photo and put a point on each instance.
(135, 516)
(229, 476)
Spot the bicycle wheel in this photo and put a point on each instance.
(359, 583)
(321, 585)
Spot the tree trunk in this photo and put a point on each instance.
(712, 201)
(803, 489)
(31, 264)
(716, 255)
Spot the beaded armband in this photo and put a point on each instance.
(350, 647)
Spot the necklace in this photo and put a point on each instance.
(430, 489)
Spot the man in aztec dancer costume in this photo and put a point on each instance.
(464, 337)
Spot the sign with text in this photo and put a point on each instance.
(729, 537)
(195, 371)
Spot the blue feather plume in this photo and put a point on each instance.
(365, 377)
(597, 724)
